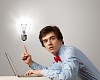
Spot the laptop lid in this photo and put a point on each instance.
(11, 64)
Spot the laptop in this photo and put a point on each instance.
(14, 69)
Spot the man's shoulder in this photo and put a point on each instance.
(70, 47)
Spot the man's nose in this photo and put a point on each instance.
(49, 42)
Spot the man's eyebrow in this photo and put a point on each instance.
(44, 39)
(52, 36)
(48, 38)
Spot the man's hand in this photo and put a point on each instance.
(26, 57)
(35, 72)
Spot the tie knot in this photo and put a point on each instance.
(57, 58)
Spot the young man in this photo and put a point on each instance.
(69, 62)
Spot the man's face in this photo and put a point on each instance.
(51, 43)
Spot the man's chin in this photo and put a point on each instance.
(53, 52)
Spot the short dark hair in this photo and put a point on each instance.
(49, 29)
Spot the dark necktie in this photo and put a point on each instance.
(57, 58)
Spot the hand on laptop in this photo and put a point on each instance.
(26, 57)
(34, 72)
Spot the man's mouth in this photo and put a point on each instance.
(51, 48)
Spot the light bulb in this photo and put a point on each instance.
(23, 35)
(23, 25)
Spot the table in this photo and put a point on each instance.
(22, 78)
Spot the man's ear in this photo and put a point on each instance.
(62, 41)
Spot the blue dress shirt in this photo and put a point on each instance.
(74, 65)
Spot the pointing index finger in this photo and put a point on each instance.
(25, 49)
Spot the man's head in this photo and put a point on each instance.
(51, 38)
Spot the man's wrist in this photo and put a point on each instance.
(30, 63)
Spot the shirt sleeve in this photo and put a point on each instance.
(36, 66)
(69, 70)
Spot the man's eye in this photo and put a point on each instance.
(53, 38)
(44, 41)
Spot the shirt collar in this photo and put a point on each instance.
(61, 51)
